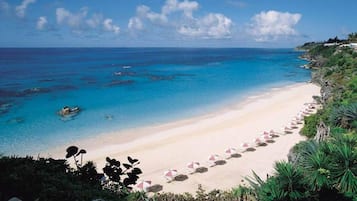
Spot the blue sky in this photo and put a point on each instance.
(173, 23)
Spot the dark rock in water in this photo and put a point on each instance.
(290, 75)
(5, 107)
(64, 87)
(34, 90)
(46, 80)
(7, 93)
(183, 75)
(161, 77)
(119, 82)
(109, 117)
(16, 120)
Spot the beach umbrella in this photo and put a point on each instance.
(297, 121)
(298, 118)
(170, 174)
(245, 146)
(193, 165)
(266, 133)
(292, 124)
(143, 185)
(272, 132)
(230, 151)
(213, 157)
(305, 112)
(266, 137)
(287, 129)
(258, 141)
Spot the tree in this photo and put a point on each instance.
(287, 184)
(344, 165)
(72, 151)
(116, 171)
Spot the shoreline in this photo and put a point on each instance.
(174, 144)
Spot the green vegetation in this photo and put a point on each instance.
(324, 170)
(50, 179)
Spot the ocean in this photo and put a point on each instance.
(123, 88)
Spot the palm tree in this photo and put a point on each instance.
(315, 163)
(290, 179)
(287, 184)
(317, 170)
(344, 167)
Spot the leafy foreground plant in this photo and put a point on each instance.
(54, 180)
(344, 116)
(287, 184)
(116, 171)
(47, 180)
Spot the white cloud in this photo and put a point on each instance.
(186, 6)
(135, 23)
(108, 26)
(146, 13)
(272, 25)
(212, 25)
(41, 23)
(73, 20)
(95, 20)
(79, 21)
(21, 9)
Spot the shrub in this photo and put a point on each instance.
(309, 128)
(344, 116)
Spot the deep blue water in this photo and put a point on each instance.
(120, 88)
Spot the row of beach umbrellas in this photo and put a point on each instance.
(265, 137)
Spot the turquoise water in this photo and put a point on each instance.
(120, 88)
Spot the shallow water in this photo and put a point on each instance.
(120, 88)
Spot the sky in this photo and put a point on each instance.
(173, 23)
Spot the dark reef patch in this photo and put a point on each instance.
(119, 83)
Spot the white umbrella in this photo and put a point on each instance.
(272, 132)
(305, 112)
(170, 174)
(297, 121)
(258, 141)
(193, 165)
(266, 133)
(292, 124)
(143, 185)
(230, 151)
(213, 157)
(287, 129)
(266, 137)
(245, 146)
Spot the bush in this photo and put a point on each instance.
(46, 179)
(344, 116)
(309, 129)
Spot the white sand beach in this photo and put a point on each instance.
(173, 145)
